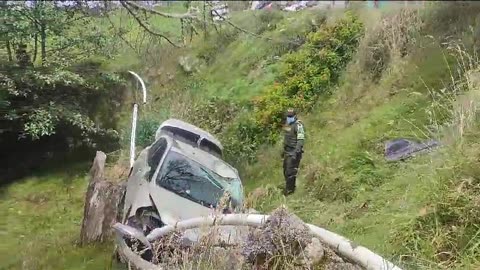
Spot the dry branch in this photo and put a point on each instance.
(187, 15)
(144, 26)
(236, 26)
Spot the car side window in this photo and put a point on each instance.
(155, 154)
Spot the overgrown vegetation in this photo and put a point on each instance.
(56, 97)
(415, 84)
(359, 79)
(302, 76)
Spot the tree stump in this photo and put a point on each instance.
(102, 204)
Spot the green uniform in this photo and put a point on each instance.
(292, 153)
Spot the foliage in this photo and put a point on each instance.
(214, 113)
(421, 213)
(146, 129)
(304, 76)
(42, 100)
(392, 38)
(52, 81)
(310, 72)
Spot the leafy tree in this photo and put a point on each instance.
(64, 92)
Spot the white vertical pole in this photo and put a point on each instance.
(134, 118)
(132, 136)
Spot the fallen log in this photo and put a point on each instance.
(102, 204)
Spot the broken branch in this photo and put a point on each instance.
(187, 15)
(145, 27)
(237, 27)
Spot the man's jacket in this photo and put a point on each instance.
(294, 137)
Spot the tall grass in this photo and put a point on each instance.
(402, 83)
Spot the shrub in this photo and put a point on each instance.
(392, 38)
(309, 73)
(213, 113)
(268, 20)
(241, 140)
(216, 43)
(304, 75)
(146, 129)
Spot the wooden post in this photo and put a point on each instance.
(102, 204)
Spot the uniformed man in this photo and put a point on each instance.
(292, 150)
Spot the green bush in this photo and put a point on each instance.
(213, 113)
(216, 43)
(146, 129)
(304, 76)
(309, 72)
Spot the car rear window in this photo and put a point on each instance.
(192, 138)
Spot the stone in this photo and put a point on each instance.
(314, 252)
(189, 64)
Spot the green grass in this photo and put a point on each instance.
(41, 220)
(345, 184)
(247, 64)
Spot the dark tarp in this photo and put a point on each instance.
(400, 149)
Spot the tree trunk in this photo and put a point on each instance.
(205, 32)
(102, 204)
(183, 31)
(35, 48)
(43, 42)
(9, 51)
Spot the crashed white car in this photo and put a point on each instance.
(180, 176)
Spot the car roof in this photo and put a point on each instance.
(208, 160)
(179, 124)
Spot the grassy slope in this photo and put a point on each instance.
(43, 213)
(41, 223)
(344, 183)
(242, 69)
(345, 138)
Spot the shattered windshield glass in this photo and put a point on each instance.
(195, 182)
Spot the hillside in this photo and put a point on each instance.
(359, 79)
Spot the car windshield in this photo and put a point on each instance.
(195, 182)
